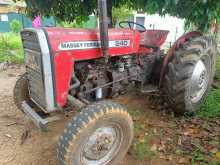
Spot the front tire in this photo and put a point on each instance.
(100, 134)
(21, 92)
(190, 74)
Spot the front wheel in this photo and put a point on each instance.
(101, 134)
(190, 74)
(21, 92)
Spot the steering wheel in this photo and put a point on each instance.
(130, 23)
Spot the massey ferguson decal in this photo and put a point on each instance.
(81, 45)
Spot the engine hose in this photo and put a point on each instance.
(76, 84)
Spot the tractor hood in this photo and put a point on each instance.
(85, 44)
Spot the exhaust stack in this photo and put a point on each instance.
(103, 28)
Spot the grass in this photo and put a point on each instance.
(141, 148)
(11, 48)
(197, 157)
(211, 106)
(135, 112)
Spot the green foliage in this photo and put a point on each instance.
(90, 23)
(135, 112)
(121, 13)
(201, 13)
(66, 10)
(211, 106)
(15, 26)
(199, 157)
(17, 58)
(138, 127)
(141, 148)
(217, 75)
(11, 48)
(10, 41)
(70, 24)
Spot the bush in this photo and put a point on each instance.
(10, 41)
(11, 48)
(15, 26)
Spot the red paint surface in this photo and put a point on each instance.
(64, 59)
(154, 37)
(60, 35)
(63, 63)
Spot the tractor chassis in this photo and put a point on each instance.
(77, 103)
(42, 122)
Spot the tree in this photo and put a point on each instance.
(121, 13)
(15, 26)
(69, 10)
(201, 13)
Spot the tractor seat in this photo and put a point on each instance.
(153, 38)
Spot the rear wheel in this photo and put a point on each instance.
(191, 74)
(101, 134)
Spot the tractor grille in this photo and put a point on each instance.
(34, 69)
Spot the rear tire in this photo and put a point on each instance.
(100, 134)
(190, 74)
(21, 92)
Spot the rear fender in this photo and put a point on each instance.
(154, 38)
(170, 54)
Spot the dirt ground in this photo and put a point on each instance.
(168, 144)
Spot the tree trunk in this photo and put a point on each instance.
(109, 11)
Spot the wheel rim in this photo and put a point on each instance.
(199, 80)
(101, 146)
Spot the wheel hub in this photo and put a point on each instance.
(100, 146)
(199, 82)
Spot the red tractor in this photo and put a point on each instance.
(79, 68)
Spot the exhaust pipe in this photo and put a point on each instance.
(103, 28)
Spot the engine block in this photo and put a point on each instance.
(98, 80)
